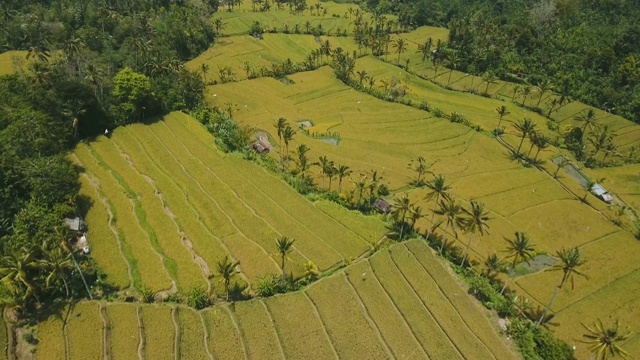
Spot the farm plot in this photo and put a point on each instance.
(299, 328)
(51, 338)
(85, 332)
(124, 331)
(192, 335)
(240, 20)
(342, 314)
(8, 59)
(225, 340)
(148, 265)
(104, 236)
(159, 331)
(258, 331)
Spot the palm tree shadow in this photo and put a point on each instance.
(535, 314)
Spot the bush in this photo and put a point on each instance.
(146, 295)
(535, 342)
(197, 298)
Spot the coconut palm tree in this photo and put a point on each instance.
(453, 60)
(489, 78)
(589, 120)
(362, 76)
(325, 167)
(425, 49)
(603, 341)
(452, 212)
(502, 112)
(57, 263)
(543, 85)
(570, 261)
(525, 91)
(219, 25)
(401, 46)
(342, 171)
(227, 268)
(204, 68)
(303, 160)
(562, 163)
(492, 266)
(284, 245)
(600, 139)
(541, 143)
(437, 190)
(360, 186)
(15, 268)
(475, 221)
(399, 211)
(525, 127)
(420, 167)
(520, 249)
(415, 214)
(287, 136)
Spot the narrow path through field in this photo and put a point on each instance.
(367, 316)
(324, 328)
(96, 187)
(141, 341)
(186, 243)
(106, 332)
(176, 339)
(274, 327)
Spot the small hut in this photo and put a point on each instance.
(381, 206)
(76, 224)
(602, 193)
(262, 146)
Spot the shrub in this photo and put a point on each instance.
(197, 298)
(535, 342)
(146, 295)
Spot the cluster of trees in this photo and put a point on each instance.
(90, 66)
(587, 50)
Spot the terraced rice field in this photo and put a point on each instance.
(239, 21)
(7, 61)
(168, 206)
(377, 308)
(376, 135)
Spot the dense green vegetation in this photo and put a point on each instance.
(587, 50)
(90, 66)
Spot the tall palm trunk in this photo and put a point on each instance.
(504, 287)
(521, 141)
(283, 267)
(466, 252)
(546, 309)
(444, 240)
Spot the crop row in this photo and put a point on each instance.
(166, 237)
(148, 264)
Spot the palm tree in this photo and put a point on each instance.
(325, 167)
(226, 269)
(453, 219)
(492, 266)
(218, 24)
(204, 68)
(362, 75)
(303, 160)
(360, 185)
(541, 142)
(588, 117)
(425, 48)
(562, 163)
(490, 78)
(280, 125)
(526, 91)
(415, 214)
(544, 85)
(604, 340)
(284, 245)
(438, 189)
(453, 60)
(287, 136)
(569, 262)
(401, 46)
(342, 171)
(14, 269)
(600, 139)
(475, 221)
(525, 127)
(520, 249)
(58, 263)
(420, 167)
(399, 210)
(502, 112)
